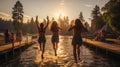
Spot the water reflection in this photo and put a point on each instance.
(31, 56)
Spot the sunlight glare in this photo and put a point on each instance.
(59, 14)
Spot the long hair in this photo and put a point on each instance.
(78, 25)
(54, 26)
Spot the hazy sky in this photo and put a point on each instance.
(52, 8)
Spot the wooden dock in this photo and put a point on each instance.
(109, 49)
(8, 52)
(8, 46)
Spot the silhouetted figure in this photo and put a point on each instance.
(12, 39)
(55, 36)
(19, 36)
(100, 36)
(77, 39)
(7, 36)
(41, 31)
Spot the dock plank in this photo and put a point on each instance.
(107, 46)
(9, 46)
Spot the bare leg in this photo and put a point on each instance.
(40, 46)
(74, 52)
(78, 51)
(54, 47)
(43, 46)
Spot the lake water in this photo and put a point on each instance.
(31, 57)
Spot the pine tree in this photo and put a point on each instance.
(33, 25)
(96, 12)
(111, 14)
(17, 15)
(97, 21)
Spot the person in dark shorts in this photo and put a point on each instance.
(41, 31)
(7, 36)
(77, 39)
(55, 36)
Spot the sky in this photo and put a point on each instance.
(51, 8)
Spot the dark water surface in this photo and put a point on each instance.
(31, 57)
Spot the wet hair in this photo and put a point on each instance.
(54, 26)
(78, 25)
(41, 25)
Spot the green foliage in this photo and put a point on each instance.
(111, 14)
(28, 27)
(96, 12)
(5, 24)
(97, 21)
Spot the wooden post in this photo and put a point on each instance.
(13, 52)
(6, 56)
(27, 38)
(89, 46)
(12, 40)
(20, 49)
(96, 50)
(106, 53)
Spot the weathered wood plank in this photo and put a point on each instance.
(107, 46)
(7, 47)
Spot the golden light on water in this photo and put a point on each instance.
(60, 51)
(61, 48)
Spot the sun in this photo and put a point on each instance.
(59, 14)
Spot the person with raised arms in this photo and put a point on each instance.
(41, 30)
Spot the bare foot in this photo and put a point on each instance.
(42, 57)
(55, 54)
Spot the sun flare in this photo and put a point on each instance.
(59, 14)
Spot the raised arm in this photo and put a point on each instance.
(37, 25)
(83, 28)
(47, 22)
(37, 22)
(71, 27)
(59, 28)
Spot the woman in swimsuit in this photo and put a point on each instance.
(55, 36)
(41, 31)
(77, 39)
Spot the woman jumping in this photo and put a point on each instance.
(77, 39)
(55, 36)
(41, 31)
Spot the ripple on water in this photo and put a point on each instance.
(32, 56)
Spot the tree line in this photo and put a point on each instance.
(109, 16)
